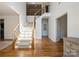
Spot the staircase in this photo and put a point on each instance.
(25, 38)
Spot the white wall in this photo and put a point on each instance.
(57, 10)
(10, 23)
(38, 29)
(20, 8)
(30, 18)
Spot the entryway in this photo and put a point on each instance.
(1, 29)
(61, 27)
(45, 27)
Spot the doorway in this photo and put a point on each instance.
(1, 29)
(62, 27)
(45, 27)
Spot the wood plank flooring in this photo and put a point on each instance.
(43, 47)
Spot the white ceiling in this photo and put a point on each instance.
(46, 3)
(5, 10)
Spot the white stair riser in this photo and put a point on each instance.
(26, 31)
(24, 41)
(26, 36)
(20, 42)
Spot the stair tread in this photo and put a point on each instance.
(23, 46)
(28, 37)
(24, 41)
(21, 38)
(25, 35)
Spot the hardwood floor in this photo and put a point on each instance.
(43, 48)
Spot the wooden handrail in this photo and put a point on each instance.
(14, 34)
(38, 11)
(16, 27)
(33, 34)
(14, 30)
(33, 28)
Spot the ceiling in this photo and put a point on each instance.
(6, 10)
(46, 3)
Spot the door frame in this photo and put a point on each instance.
(58, 26)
